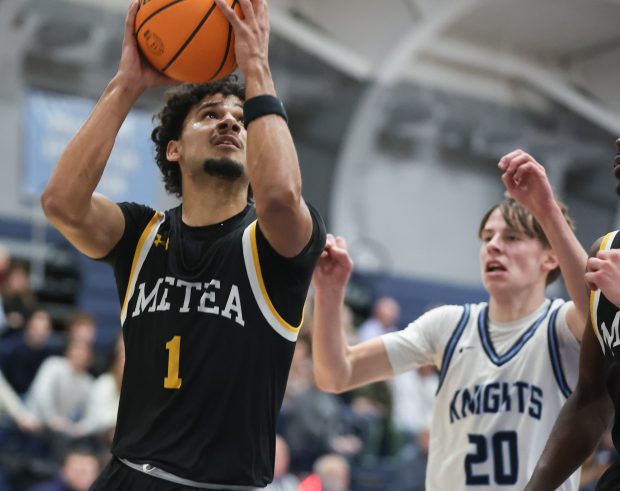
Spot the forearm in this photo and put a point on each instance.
(332, 369)
(78, 171)
(570, 253)
(574, 437)
(273, 165)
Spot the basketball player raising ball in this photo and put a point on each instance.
(211, 291)
(506, 366)
(588, 412)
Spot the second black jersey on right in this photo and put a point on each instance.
(605, 318)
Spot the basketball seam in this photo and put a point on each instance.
(155, 13)
(189, 39)
(228, 42)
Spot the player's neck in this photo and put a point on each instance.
(515, 306)
(213, 202)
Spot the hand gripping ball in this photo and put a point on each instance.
(187, 40)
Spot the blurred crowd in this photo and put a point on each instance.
(59, 395)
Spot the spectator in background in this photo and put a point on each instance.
(372, 417)
(331, 473)
(100, 418)
(5, 265)
(315, 422)
(82, 326)
(11, 404)
(61, 389)
(385, 314)
(79, 470)
(334, 473)
(21, 356)
(18, 300)
(283, 480)
(413, 414)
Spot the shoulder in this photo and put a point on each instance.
(55, 361)
(307, 256)
(439, 323)
(559, 314)
(447, 314)
(136, 214)
(54, 365)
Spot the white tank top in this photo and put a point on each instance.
(494, 408)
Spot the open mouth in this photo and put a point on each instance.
(494, 266)
(227, 141)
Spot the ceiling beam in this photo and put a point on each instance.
(110, 5)
(347, 207)
(306, 37)
(420, 36)
(554, 84)
(13, 41)
(335, 54)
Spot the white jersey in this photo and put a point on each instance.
(500, 391)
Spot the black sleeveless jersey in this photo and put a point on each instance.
(605, 317)
(210, 316)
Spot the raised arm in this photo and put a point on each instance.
(91, 222)
(272, 163)
(526, 181)
(581, 423)
(339, 367)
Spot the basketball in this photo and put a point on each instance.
(187, 40)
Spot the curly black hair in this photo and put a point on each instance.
(179, 102)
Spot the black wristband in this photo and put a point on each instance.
(262, 105)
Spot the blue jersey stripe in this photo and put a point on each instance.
(483, 329)
(554, 352)
(451, 346)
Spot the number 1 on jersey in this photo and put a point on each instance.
(172, 381)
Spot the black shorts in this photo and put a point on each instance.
(118, 477)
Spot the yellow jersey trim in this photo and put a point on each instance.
(259, 291)
(261, 282)
(138, 259)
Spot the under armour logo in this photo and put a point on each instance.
(159, 241)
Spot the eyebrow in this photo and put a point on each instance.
(216, 104)
(508, 230)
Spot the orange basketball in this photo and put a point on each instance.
(187, 40)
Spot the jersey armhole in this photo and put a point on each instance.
(451, 346)
(554, 353)
(257, 283)
(142, 249)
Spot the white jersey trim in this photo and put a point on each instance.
(253, 269)
(142, 249)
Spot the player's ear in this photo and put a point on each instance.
(550, 262)
(173, 151)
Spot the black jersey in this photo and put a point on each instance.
(210, 316)
(605, 317)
